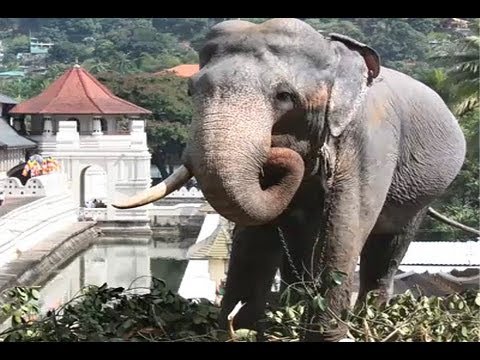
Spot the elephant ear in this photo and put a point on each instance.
(358, 65)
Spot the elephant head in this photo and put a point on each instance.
(264, 98)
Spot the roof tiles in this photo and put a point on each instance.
(77, 92)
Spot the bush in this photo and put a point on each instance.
(118, 314)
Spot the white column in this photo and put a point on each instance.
(67, 136)
(97, 126)
(47, 125)
(138, 135)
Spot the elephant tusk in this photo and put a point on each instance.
(178, 178)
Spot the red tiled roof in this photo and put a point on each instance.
(77, 92)
(184, 70)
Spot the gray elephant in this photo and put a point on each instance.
(315, 151)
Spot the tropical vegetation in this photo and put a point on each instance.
(127, 55)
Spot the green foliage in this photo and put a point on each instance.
(461, 64)
(424, 25)
(115, 314)
(406, 318)
(18, 44)
(157, 314)
(340, 26)
(396, 40)
(457, 82)
(170, 136)
(67, 52)
(166, 96)
(122, 50)
(20, 304)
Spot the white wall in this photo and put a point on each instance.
(10, 158)
(124, 158)
(95, 183)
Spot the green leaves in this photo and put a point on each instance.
(338, 277)
(405, 318)
(102, 313)
(477, 299)
(246, 335)
(453, 318)
(35, 294)
(319, 303)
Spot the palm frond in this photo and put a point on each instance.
(466, 105)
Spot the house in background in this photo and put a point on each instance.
(13, 146)
(183, 70)
(437, 268)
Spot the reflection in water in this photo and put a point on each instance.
(119, 265)
(169, 270)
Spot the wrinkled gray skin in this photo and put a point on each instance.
(267, 98)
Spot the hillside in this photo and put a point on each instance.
(125, 53)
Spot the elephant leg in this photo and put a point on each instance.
(381, 257)
(354, 203)
(256, 255)
(346, 233)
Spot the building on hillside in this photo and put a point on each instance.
(2, 54)
(98, 138)
(13, 146)
(38, 47)
(12, 74)
(183, 70)
(35, 60)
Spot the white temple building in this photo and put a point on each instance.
(98, 139)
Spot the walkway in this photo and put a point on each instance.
(13, 203)
(43, 258)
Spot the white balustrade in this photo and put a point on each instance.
(39, 186)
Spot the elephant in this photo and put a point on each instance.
(319, 154)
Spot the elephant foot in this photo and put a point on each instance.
(325, 326)
(378, 297)
(328, 335)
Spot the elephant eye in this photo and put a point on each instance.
(284, 96)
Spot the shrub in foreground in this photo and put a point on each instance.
(117, 314)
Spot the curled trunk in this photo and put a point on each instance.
(240, 174)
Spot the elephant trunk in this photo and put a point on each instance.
(241, 175)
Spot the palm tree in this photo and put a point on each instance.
(438, 80)
(96, 66)
(462, 70)
(465, 73)
(122, 64)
